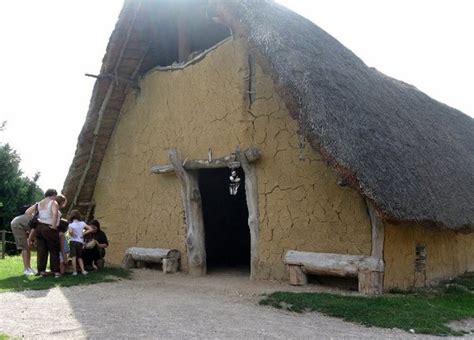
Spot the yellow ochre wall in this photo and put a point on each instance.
(206, 105)
(448, 254)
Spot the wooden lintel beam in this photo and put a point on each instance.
(252, 155)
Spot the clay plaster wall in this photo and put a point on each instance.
(448, 254)
(206, 105)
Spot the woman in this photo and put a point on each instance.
(93, 257)
(46, 231)
(20, 229)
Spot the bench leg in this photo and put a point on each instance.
(170, 265)
(128, 262)
(370, 282)
(297, 276)
(140, 264)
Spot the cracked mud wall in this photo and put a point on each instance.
(448, 254)
(206, 105)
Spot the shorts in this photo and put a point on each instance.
(21, 237)
(75, 249)
(66, 251)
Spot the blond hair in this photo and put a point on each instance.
(61, 199)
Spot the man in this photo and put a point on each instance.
(20, 230)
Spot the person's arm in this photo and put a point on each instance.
(31, 238)
(71, 232)
(105, 243)
(54, 211)
(31, 210)
(88, 230)
(102, 245)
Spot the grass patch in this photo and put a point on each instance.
(12, 278)
(424, 312)
(4, 337)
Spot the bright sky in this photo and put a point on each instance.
(48, 45)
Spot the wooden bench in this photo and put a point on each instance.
(368, 269)
(137, 258)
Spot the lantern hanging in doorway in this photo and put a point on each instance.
(234, 178)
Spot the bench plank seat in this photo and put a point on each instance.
(368, 269)
(136, 257)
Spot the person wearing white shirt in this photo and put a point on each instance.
(76, 231)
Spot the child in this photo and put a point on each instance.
(64, 242)
(76, 230)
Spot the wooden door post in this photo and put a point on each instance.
(195, 241)
(251, 195)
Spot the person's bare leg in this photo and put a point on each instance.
(28, 256)
(26, 259)
(81, 264)
(74, 264)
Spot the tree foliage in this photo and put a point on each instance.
(16, 189)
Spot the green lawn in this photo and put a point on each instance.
(4, 337)
(12, 278)
(424, 312)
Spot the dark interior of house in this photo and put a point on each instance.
(225, 220)
(182, 30)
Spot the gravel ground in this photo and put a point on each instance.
(153, 305)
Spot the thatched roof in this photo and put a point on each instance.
(410, 155)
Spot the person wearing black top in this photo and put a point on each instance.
(93, 257)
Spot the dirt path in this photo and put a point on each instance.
(153, 305)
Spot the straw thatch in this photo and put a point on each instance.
(411, 156)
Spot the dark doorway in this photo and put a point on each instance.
(225, 220)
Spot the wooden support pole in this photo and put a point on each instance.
(100, 115)
(102, 109)
(184, 48)
(195, 241)
(119, 79)
(252, 90)
(4, 242)
(378, 232)
(251, 195)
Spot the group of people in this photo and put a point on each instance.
(69, 243)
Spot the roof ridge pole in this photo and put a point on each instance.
(102, 110)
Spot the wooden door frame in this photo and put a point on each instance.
(192, 202)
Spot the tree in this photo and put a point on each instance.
(16, 190)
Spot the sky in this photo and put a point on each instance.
(48, 45)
